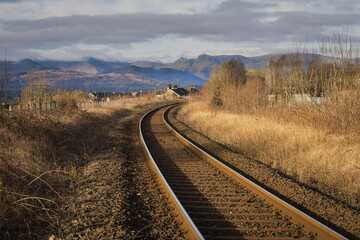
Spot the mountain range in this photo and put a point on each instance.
(94, 74)
(204, 64)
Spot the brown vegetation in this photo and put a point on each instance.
(40, 155)
(37, 90)
(315, 143)
(40, 158)
(68, 100)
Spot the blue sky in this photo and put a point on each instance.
(164, 30)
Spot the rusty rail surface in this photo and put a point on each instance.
(189, 227)
(214, 201)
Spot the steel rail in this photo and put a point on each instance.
(193, 231)
(310, 224)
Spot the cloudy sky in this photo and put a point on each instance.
(164, 30)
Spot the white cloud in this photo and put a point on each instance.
(34, 9)
(165, 30)
(316, 6)
(269, 19)
(165, 49)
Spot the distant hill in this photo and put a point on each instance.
(148, 64)
(126, 79)
(204, 64)
(24, 66)
(93, 74)
(201, 66)
(163, 75)
(90, 65)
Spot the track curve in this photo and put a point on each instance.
(214, 202)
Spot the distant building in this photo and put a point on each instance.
(160, 92)
(135, 94)
(192, 90)
(9, 103)
(176, 92)
(108, 96)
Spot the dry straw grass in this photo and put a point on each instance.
(129, 105)
(316, 144)
(40, 155)
(310, 155)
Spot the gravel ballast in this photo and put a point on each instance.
(116, 196)
(335, 214)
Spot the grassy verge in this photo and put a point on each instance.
(312, 144)
(40, 158)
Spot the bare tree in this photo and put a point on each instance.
(333, 71)
(4, 81)
(37, 90)
(233, 72)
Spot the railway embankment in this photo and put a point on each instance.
(319, 203)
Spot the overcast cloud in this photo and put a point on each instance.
(150, 29)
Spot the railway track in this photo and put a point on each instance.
(213, 201)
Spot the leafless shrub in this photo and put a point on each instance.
(314, 141)
(67, 100)
(37, 90)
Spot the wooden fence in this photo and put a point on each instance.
(53, 105)
(35, 106)
(106, 103)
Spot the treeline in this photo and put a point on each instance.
(335, 68)
(234, 88)
(301, 115)
(331, 75)
(38, 91)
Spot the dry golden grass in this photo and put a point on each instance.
(340, 114)
(317, 157)
(316, 144)
(40, 155)
(35, 171)
(130, 105)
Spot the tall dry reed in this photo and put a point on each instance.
(314, 138)
(313, 156)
